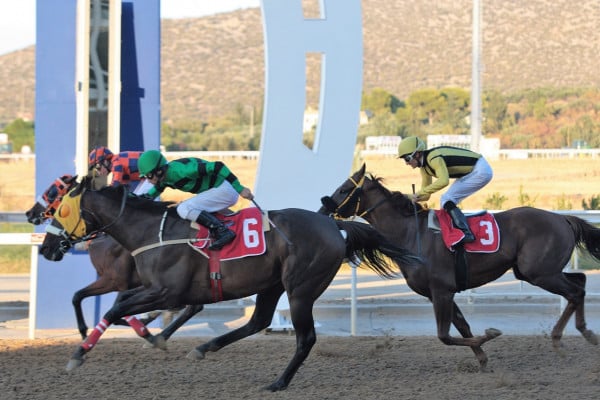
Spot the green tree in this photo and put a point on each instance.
(380, 101)
(426, 105)
(495, 111)
(21, 133)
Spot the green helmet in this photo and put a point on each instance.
(150, 161)
(410, 145)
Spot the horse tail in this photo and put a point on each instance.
(586, 235)
(366, 243)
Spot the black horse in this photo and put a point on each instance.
(114, 265)
(303, 254)
(536, 244)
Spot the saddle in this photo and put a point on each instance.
(249, 228)
(487, 239)
(482, 224)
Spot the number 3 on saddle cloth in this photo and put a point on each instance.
(483, 226)
(249, 236)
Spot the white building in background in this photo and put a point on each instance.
(388, 145)
(489, 147)
(311, 118)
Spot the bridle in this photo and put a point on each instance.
(71, 238)
(352, 200)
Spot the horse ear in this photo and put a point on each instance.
(362, 169)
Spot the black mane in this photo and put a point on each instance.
(397, 199)
(137, 202)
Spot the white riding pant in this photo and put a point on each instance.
(211, 200)
(463, 187)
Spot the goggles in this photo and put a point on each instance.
(409, 157)
(150, 175)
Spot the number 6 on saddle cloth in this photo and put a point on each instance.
(249, 229)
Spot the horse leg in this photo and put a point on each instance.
(571, 286)
(100, 286)
(139, 299)
(178, 322)
(150, 317)
(461, 324)
(579, 279)
(261, 318)
(301, 311)
(575, 304)
(443, 310)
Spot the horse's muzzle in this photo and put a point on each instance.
(329, 205)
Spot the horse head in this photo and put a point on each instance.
(361, 194)
(68, 226)
(47, 203)
(79, 219)
(346, 200)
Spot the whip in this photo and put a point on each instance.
(416, 223)
(272, 223)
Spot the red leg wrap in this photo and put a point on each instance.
(137, 326)
(93, 338)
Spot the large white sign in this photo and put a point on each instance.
(289, 173)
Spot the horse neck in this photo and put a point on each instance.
(402, 227)
(128, 227)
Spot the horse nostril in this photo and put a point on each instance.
(328, 203)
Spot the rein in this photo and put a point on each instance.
(72, 239)
(355, 194)
(114, 221)
(162, 242)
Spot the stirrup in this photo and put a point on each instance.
(226, 237)
(469, 237)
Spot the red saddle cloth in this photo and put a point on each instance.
(484, 227)
(249, 236)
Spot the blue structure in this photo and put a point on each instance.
(56, 127)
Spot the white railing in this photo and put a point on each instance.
(388, 152)
(249, 155)
(16, 157)
(511, 154)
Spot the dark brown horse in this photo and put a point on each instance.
(115, 267)
(536, 244)
(303, 253)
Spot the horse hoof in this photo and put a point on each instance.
(590, 336)
(276, 386)
(492, 333)
(195, 355)
(159, 342)
(156, 342)
(74, 363)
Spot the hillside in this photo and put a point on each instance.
(212, 64)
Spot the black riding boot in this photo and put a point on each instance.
(460, 221)
(220, 233)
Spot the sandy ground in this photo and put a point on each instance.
(522, 367)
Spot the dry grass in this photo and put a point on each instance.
(547, 182)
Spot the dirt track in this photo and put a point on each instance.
(523, 367)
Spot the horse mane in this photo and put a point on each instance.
(398, 200)
(138, 202)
